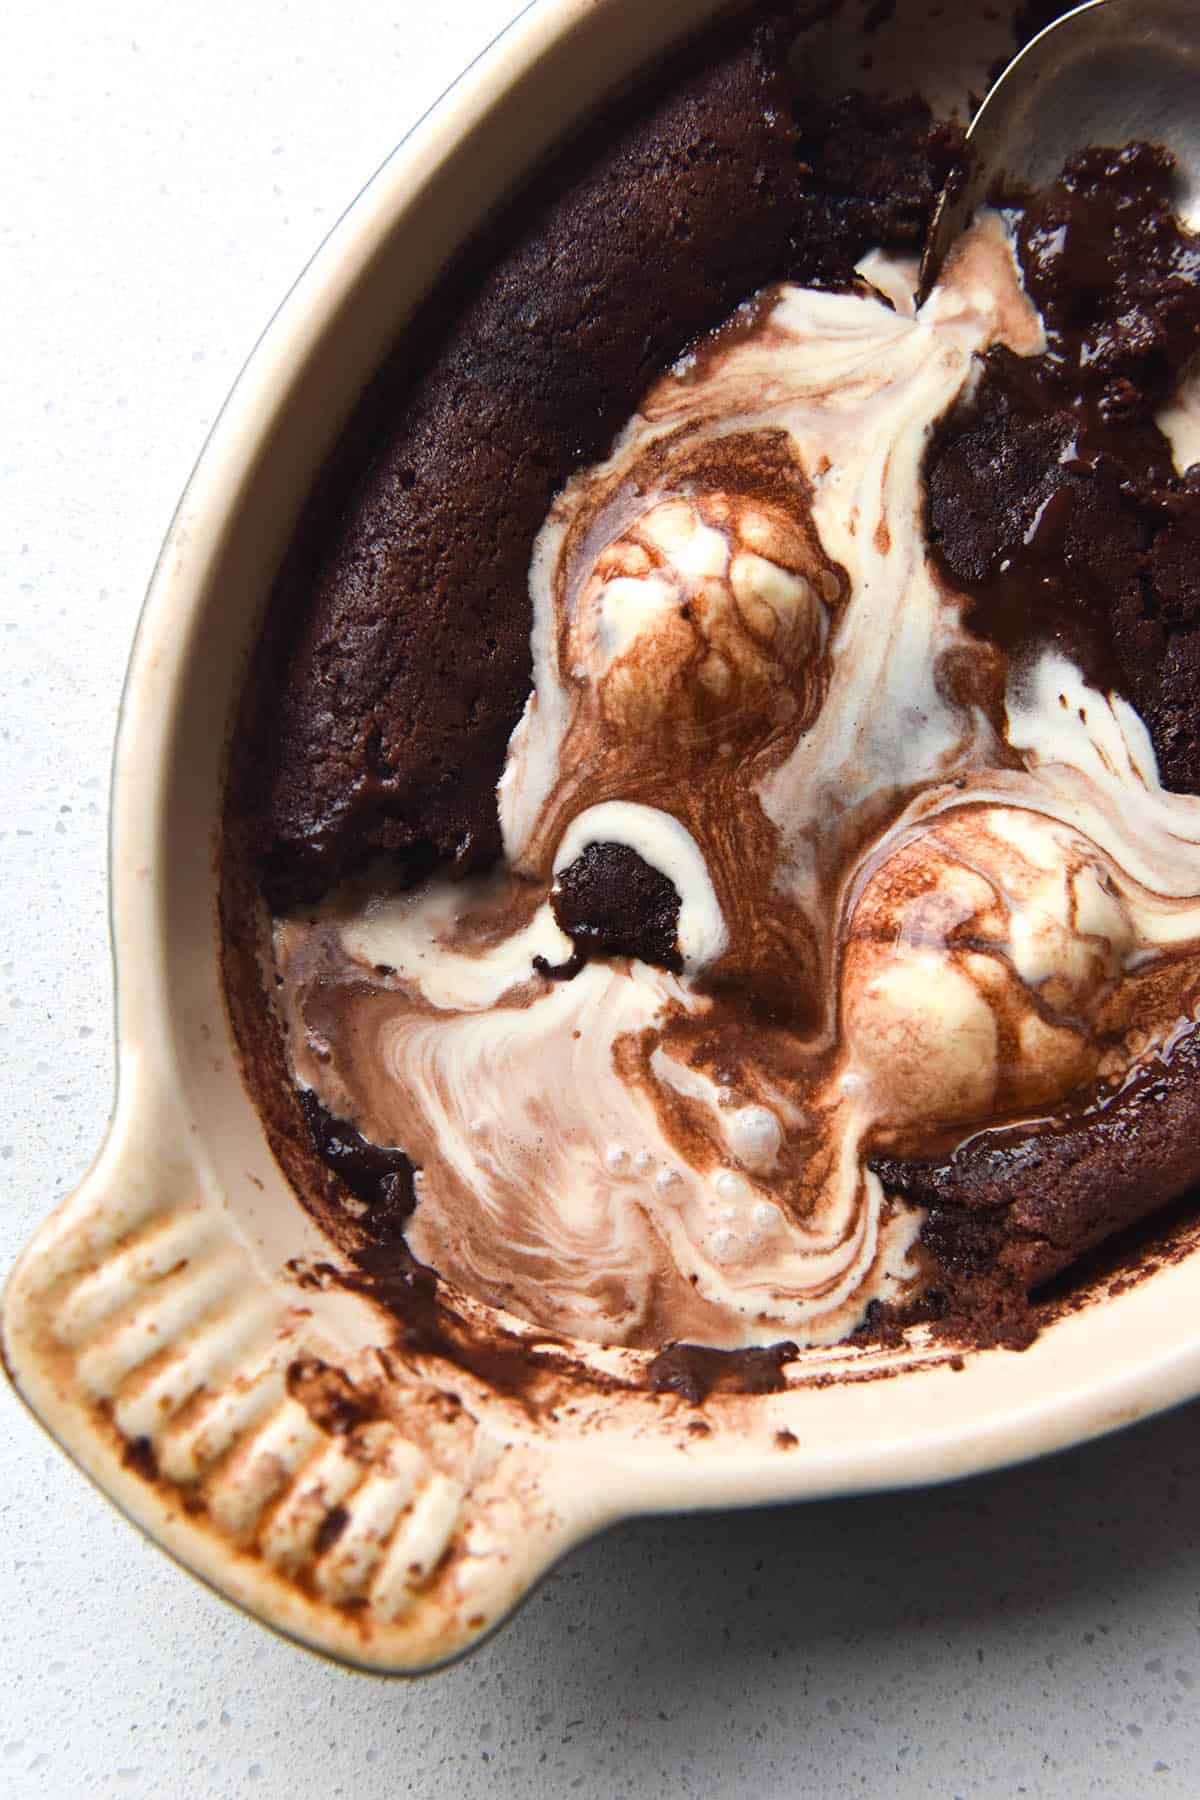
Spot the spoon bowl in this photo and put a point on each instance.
(1109, 73)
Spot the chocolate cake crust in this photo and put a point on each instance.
(1018, 1206)
(390, 681)
(1053, 499)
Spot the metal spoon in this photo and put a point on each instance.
(1110, 72)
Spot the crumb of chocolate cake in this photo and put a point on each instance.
(610, 902)
(138, 1455)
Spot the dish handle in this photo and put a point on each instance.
(383, 1524)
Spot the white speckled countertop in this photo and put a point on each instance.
(167, 171)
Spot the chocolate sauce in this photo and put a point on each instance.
(693, 1371)
(381, 1178)
(329, 1397)
(1052, 498)
(139, 1456)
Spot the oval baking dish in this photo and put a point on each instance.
(277, 1434)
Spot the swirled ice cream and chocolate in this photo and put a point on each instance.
(735, 862)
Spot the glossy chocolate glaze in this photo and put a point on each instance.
(1053, 498)
(1055, 504)
(693, 1372)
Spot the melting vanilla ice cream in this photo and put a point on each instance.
(921, 887)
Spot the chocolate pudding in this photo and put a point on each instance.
(721, 763)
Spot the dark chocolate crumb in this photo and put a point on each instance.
(612, 903)
(1052, 496)
(381, 1178)
(139, 1456)
(329, 1397)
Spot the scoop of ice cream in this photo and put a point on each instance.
(977, 960)
(703, 614)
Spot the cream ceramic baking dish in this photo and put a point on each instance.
(153, 1324)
